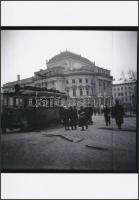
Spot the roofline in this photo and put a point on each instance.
(74, 54)
(7, 84)
(114, 84)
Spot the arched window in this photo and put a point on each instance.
(74, 92)
(87, 92)
(80, 80)
(81, 92)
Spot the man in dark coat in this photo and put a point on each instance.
(90, 114)
(118, 113)
(82, 118)
(66, 118)
(87, 114)
(107, 117)
(61, 115)
(73, 116)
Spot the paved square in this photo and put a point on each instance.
(98, 148)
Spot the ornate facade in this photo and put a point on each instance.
(82, 81)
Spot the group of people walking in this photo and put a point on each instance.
(117, 112)
(71, 117)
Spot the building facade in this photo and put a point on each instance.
(125, 91)
(83, 82)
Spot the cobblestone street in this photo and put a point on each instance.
(98, 148)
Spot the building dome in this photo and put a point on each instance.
(68, 60)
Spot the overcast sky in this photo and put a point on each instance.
(26, 51)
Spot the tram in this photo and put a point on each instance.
(31, 108)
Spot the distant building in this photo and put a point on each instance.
(125, 91)
(83, 82)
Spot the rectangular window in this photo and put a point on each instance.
(122, 88)
(80, 80)
(73, 81)
(67, 81)
(125, 93)
(87, 92)
(99, 83)
(115, 94)
(86, 80)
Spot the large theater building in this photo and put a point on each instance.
(84, 83)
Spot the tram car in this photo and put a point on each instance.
(31, 108)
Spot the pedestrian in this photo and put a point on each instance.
(118, 113)
(82, 118)
(66, 118)
(107, 115)
(90, 114)
(95, 110)
(87, 114)
(61, 114)
(71, 120)
(75, 117)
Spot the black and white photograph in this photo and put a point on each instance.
(69, 100)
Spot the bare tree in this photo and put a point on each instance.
(132, 74)
(122, 76)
